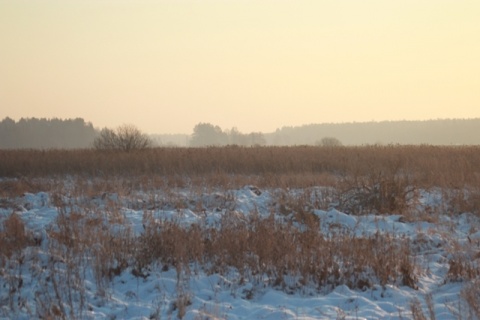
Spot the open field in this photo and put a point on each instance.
(375, 232)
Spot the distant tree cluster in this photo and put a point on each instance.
(33, 133)
(329, 142)
(206, 134)
(126, 137)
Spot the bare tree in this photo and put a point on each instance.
(107, 139)
(126, 137)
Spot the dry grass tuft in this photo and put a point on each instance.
(471, 295)
(464, 262)
(257, 246)
(13, 237)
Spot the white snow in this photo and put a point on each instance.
(223, 297)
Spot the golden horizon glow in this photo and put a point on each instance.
(256, 65)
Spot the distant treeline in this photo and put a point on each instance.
(33, 133)
(434, 132)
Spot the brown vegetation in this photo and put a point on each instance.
(370, 178)
(286, 250)
(425, 166)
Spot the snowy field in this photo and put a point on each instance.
(41, 279)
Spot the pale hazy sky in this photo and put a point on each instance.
(254, 64)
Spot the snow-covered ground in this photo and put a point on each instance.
(25, 277)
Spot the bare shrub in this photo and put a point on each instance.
(125, 137)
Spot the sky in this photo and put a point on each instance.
(256, 65)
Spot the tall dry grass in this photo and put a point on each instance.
(301, 166)
(263, 251)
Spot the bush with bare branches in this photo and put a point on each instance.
(126, 137)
